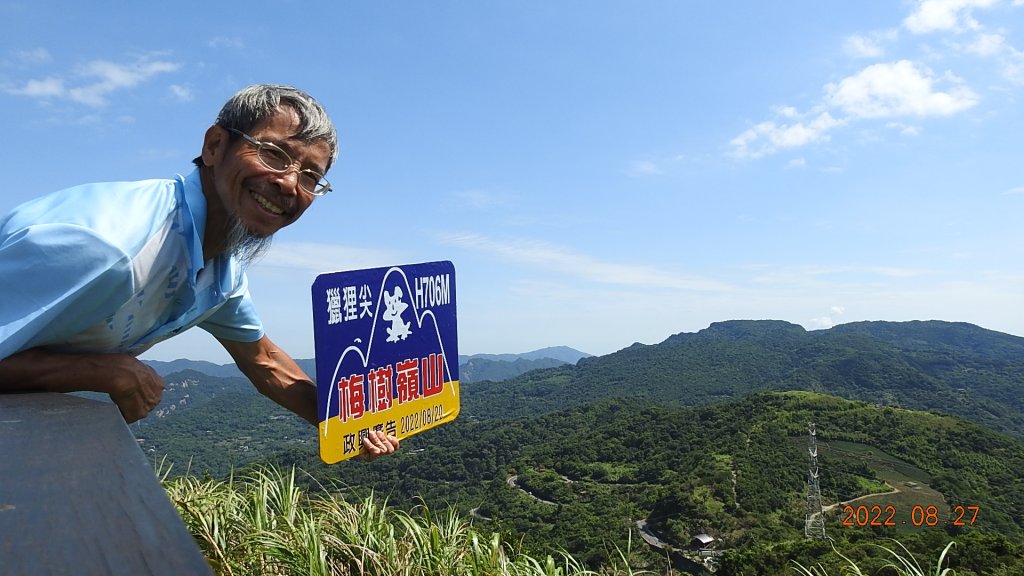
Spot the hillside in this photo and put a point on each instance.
(473, 368)
(950, 368)
(481, 369)
(703, 433)
(563, 354)
(187, 389)
(167, 368)
(579, 479)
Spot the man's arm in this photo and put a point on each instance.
(278, 377)
(134, 387)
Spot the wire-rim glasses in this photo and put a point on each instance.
(274, 158)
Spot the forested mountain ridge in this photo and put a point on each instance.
(472, 368)
(563, 354)
(612, 441)
(736, 470)
(481, 369)
(953, 368)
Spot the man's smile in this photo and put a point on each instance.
(267, 204)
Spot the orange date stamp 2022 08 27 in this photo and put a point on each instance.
(960, 515)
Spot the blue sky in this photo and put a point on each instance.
(600, 173)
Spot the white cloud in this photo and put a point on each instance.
(313, 258)
(898, 89)
(183, 93)
(885, 90)
(30, 57)
(226, 42)
(769, 137)
(110, 76)
(786, 112)
(796, 163)
(826, 322)
(655, 166)
(996, 46)
(987, 45)
(945, 15)
(583, 266)
(45, 88)
(860, 47)
(802, 275)
(482, 199)
(903, 129)
(101, 79)
(1013, 66)
(821, 323)
(868, 45)
(644, 168)
(88, 119)
(1014, 191)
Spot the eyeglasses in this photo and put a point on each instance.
(276, 159)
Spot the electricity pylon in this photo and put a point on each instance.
(814, 524)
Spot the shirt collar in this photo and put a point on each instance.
(195, 217)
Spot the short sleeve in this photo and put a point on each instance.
(56, 280)
(237, 319)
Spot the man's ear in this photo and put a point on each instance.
(215, 144)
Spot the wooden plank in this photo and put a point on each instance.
(77, 495)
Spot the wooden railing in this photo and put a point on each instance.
(77, 495)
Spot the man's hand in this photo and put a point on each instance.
(278, 377)
(134, 387)
(377, 444)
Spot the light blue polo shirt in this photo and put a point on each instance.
(116, 267)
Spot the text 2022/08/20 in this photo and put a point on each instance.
(421, 419)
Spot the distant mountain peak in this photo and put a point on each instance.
(754, 327)
(740, 330)
(560, 353)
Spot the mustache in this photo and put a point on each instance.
(289, 206)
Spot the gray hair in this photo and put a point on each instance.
(255, 103)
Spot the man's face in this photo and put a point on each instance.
(261, 200)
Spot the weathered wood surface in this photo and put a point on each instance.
(77, 495)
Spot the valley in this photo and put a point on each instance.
(702, 434)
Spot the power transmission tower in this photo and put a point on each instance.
(814, 524)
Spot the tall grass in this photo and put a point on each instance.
(263, 524)
(902, 564)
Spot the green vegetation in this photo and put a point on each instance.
(264, 523)
(703, 434)
(950, 368)
(586, 475)
(229, 431)
(902, 564)
(479, 369)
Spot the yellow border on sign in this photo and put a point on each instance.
(409, 418)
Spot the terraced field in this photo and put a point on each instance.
(911, 504)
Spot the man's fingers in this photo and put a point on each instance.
(135, 387)
(377, 444)
(134, 407)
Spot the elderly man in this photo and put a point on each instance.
(94, 275)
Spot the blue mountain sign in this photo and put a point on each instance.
(387, 353)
